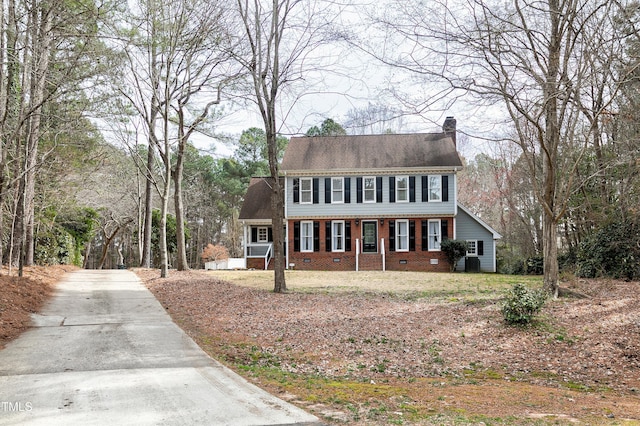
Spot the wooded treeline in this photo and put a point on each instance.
(102, 105)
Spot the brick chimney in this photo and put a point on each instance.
(449, 128)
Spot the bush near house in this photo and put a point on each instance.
(522, 303)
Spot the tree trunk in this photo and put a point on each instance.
(181, 246)
(550, 249)
(148, 210)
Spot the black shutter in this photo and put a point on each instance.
(254, 235)
(296, 236)
(425, 235)
(379, 189)
(444, 229)
(392, 235)
(316, 189)
(347, 236)
(412, 235)
(412, 189)
(316, 236)
(270, 235)
(480, 248)
(296, 190)
(359, 190)
(327, 190)
(425, 189)
(347, 190)
(327, 236)
(392, 189)
(445, 188)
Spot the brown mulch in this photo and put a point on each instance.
(579, 344)
(22, 296)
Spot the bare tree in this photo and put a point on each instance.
(177, 71)
(534, 57)
(278, 38)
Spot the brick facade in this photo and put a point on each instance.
(414, 260)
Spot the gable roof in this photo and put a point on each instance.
(371, 152)
(496, 235)
(257, 200)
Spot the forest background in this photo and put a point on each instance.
(129, 132)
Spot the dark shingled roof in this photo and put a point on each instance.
(421, 150)
(257, 201)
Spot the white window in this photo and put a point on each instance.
(306, 190)
(263, 234)
(434, 235)
(402, 235)
(306, 236)
(435, 188)
(337, 190)
(369, 190)
(337, 235)
(402, 189)
(472, 247)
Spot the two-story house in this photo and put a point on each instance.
(372, 202)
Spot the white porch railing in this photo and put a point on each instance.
(261, 250)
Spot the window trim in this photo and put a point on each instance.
(338, 237)
(334, 192)
(259, 232)
(398, 180)
(308, 238)
(438, 235)
(438, 179)
(400, 238)
(365, 190)
(306, 191)
(474, 252)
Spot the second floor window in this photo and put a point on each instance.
(369, 190)
(402, 189)
(306, 190)
(337, 190)
(306, 236)
(435, 188)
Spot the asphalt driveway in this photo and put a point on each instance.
(104, 352)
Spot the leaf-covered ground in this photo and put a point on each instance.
(407, 358)
(22, 296)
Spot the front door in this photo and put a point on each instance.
(369, 237)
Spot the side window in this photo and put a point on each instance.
(263, 234)
(472, 247)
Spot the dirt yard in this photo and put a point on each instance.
(400, 348)
(411, 348)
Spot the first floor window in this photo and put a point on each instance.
(434, 235)
(337, 235)
(306, 236)
(402, 235)
(472, 247)
(263, 234)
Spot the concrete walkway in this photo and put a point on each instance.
(104, 352)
